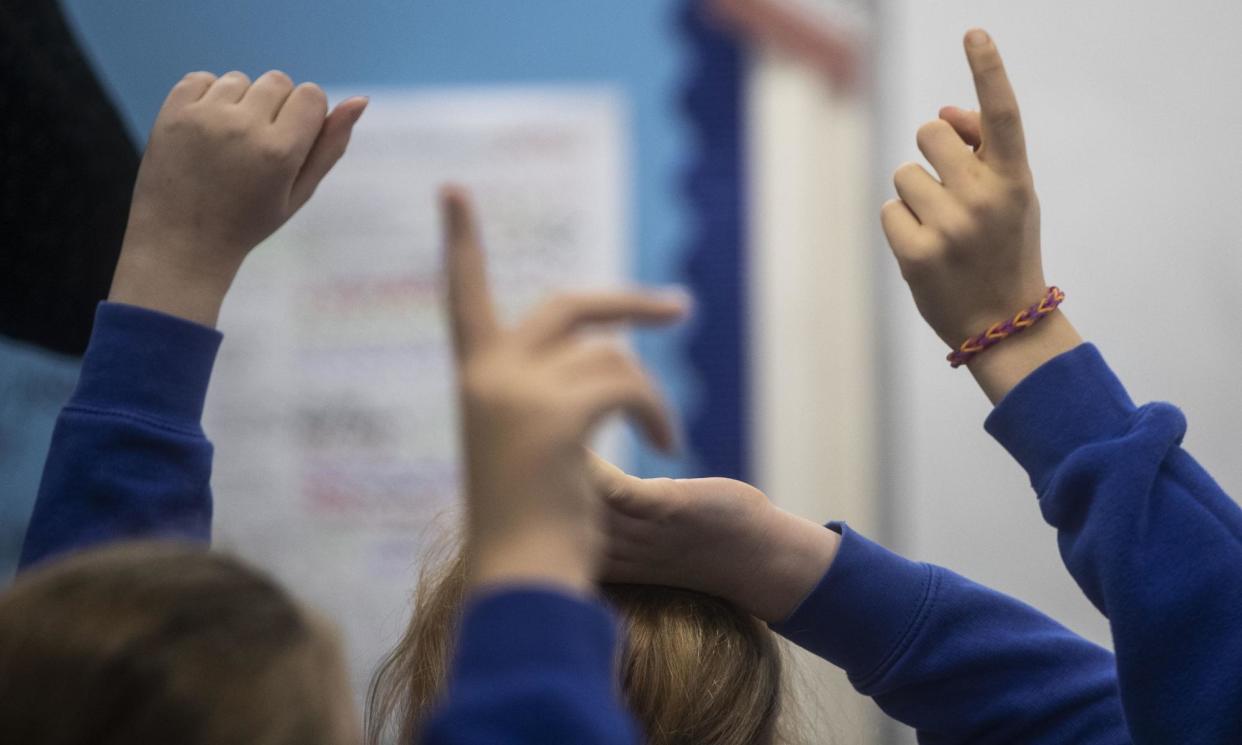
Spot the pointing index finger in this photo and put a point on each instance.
(470, 311)
(1001, 122)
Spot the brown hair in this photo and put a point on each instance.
(693, 670)
(157, 643)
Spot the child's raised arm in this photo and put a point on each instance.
(968, 243)
(959, 662)
(1148, 535)
(535, 659)
(228, 162)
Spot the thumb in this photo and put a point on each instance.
(605, 477)
(619, 491)
(328, 148)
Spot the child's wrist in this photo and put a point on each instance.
(1008, 364)
(797, 554)
(538, 557)
(147, 277)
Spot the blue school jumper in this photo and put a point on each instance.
(1146, 533)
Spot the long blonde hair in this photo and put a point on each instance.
(694, 670)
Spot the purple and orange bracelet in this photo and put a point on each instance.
(1002, 330)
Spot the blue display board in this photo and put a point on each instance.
(715, 252)
(680, 76)
(142, 48)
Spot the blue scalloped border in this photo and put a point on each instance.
(714, 185)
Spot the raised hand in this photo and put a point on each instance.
(717, 536)
(968, 242)
(530, 397)
(228, 163)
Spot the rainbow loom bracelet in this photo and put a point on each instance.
(1002, 330)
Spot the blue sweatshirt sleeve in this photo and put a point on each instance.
(533, 666)
(128, 457)
(957, 661)
(129, 460)
(1150, 538)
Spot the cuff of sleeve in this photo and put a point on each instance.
(1072, 400)
(146, 362)
(516, 630)
(860, 615)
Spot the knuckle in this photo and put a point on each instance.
(1020, 192)
(891, 209)
(906, 171)
(198, 76)
(279, 76)
(987, 62)
(274, 151)
(979, 202)
(181, 122)
(959, 230)
(234, 129)
(916, 265)
(930, 132)
(1006, 117)
(314, 93)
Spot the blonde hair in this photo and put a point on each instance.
(694, 670)
(159, 643)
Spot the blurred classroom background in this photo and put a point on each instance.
(741, 148)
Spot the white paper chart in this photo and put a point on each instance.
(332, 403)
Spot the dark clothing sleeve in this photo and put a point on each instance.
(128, 457)
(533, 666)
(958, 662)
(1150, 538)
(129, 460)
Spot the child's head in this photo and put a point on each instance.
(152, 643)
(693, 669)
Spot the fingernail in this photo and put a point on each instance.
(977, 37)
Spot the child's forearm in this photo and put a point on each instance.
(936, 651)
(228, 162)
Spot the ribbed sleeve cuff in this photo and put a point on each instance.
(1072, 400)
(146, 362)
(514, 631)
(869, 603)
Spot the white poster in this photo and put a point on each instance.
(332, 407)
